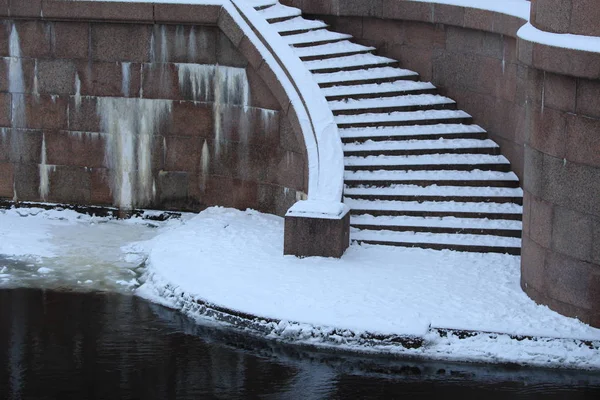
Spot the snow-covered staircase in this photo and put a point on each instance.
(418, 172)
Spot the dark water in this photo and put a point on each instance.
(64, 345)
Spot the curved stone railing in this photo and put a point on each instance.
(322, 140)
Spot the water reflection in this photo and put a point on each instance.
(62, 345)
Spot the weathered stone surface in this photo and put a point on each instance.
(199, 14)
(45, 112)
(572, 233)
(70, 185)
(308, 237)
(100, 192)
(560, 92)
(585, 15)
(230, 28)
(34, 38)
(588, 98)
(83, 114)
(27, 66)
(7, 181)
(172, 187)
(408, 10)
(76, 148)
(548, 132)
(121, 42)
(5, 109)
(27, 181)
(260, 95)
(448, 14)
(23, 9)
(70, 39)
(534, 167)
(182, 112)
(583, 140)
(357, 7)
(570, 281)
(56, 76)
(533, 260)
(228, 54)
(106, 79)
(541, 221)
(551, 15)
(99, 10)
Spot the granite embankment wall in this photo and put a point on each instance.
(134, 105)
(540, 103)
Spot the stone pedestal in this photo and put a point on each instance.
(310, 236)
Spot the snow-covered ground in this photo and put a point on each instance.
(233, 260)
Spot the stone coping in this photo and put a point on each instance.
(114, 11)
(565, 61)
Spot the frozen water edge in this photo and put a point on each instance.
(227, 266)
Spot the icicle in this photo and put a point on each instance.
(77, 92)
(204, 166)
(44, 187)
(126, 76)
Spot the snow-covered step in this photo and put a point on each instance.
(349, 63)
(454, 162)
(477, 226)
(403, 192)
(297, 25)
(399, 118)
(377, 90)
(426, 178)
(510, 211)
(391, 104)
(419, 147)
(260, 4)
(364, 76)
(321, 36)
(440, 241)
(411, 132)
(338, 49)
(279, 12)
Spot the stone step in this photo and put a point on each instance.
(505, 211)
(475, 226)
(279, 13)
(358, 62)
(331, 50)
(392, 104)
(369, 76)
(403, 118)
(262, 4)
(472, 178)
(421, 147)
(314, 38)
(370, 91)
(412, 132)
(297, 26)
(440, 241)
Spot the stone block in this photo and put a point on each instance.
(448, 14)
(249, 51)
(408, 10)
(228, 53)
(350, 25)
(275, 199)
(27, 68)
(230, 28)
(23, 146)
(241, 161)
(533, 258)
(172, 187)
(100, 192)
(109, 79)
(383, 31)
(289, 139)
(571, 281)
(552, 15)
(316, 237)
(479, 19)
(5, 29)
(25, 9)
(596, 241)
(534, 171)
(583, 140)
(286, 169)
(425, 36)
(413, 58)
(588, 97)
(45, 112)
(83, 115)
(34, 39)
(6, 180)
(275, 86)
(183, 153)
(527, 199)
(98, 11)
(563, 61)
(571, 185)
(525, 52)
(56, 76)
(185, 44)
(27, 182)
(313, 6)
(5, 109)
(359, 8)
(199, 14)
(541, 222)
(161, 81)
(585, 15)
(260, 95)
(4, 8)
(514, 152)
(548, 132)
(182, 115)
(572, 233)
(70, 185)
(560, 92)
(71, 40)
(76, 149)
(121, 42)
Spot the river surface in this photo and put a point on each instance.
(103, 345)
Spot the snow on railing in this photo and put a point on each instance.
(323, 144)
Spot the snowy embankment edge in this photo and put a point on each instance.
(437, 344)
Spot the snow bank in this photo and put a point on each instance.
(233, 259)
